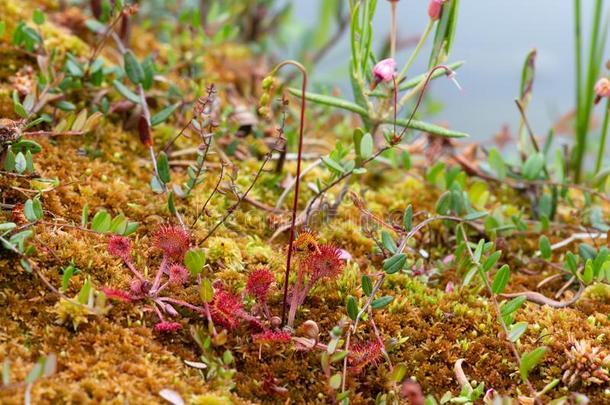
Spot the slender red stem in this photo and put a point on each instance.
(298, 179)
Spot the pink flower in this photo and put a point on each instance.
(116, 294)
(119, 246)
(165, 327)
(345, 255)
(602, 89)
(178, 274)
(435, 8)
(258, 284)
(384, 70)
(449, 287)
(489, 396)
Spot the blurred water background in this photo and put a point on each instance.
(493, 37)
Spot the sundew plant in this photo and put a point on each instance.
(188, 214)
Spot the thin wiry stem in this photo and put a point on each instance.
(298, 176)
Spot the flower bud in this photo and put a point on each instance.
(384, 70)
(602, 89)
(435, 7)
(263, 111)
(267, 82)
(264, 99)
(276, 321)
(311, 330)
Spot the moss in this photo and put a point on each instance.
(224, 251)
(118, 358)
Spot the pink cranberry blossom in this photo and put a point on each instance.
(434, 9)
(384, 70)
(602, 89)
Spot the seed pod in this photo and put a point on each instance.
(145, 132)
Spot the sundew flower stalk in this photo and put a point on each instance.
(264, 99)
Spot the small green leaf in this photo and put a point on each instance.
(134, 70)
(527, 75)
(545, 247)
(587, 274)
(194, 260)
(163, 167)
(407, 219)
(8, 226)
(28, 211)
(516, 331)
(125, 92)
(587, 252)
(85, 292)
(366, 146)
(67, 275)
(399, 372)
(163, 115)
(9, 161)
(335, 381)
(227, 357)
(332, 164)
(65, 105)
(478, 251)
(20, 163)
(382, 302)
(338, 356)
(25, 145)
(171, 206)
(496, 162)
(206, 293)
(511, 306)
(443, 204)
(394, 263)
(473, 216)
(101, 222)
(533, 166)
(118, 225)
(34, 374)
(38, 17)
(367, 284)
(491, 261)
(388, 242)
(530, 360)
(352, 308)
(500, 280)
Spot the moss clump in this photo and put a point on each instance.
(224, 251)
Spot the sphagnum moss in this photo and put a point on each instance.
(117, 358)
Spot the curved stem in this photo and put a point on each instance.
(298, 176)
